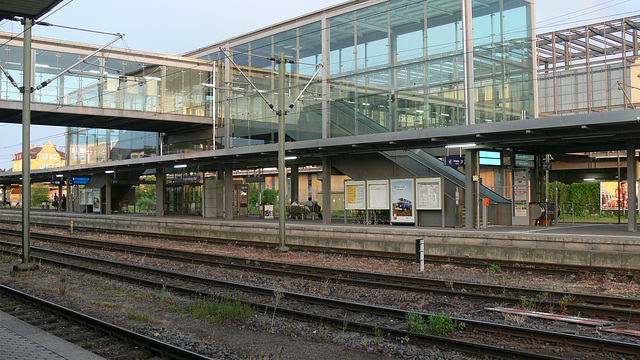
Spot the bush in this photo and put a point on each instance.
(39, 193)
(584, 196)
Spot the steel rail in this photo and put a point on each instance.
(563, 338)
(579, 303)
(539, 267)
(152, 344)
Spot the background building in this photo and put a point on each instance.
(42, 157)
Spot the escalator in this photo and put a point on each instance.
(417, 162)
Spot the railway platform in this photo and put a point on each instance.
(602, 245)
(21, 341)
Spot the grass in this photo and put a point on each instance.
(215, 309)
(138, 316)
(594, 218)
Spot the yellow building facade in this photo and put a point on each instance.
(44, 157)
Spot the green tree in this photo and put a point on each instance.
(39, 193)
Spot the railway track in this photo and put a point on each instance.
(537, 267)
(605, 307)
(102, 338)
(342, 314)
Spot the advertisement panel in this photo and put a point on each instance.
(430, 193)
(96, 200)
(612, 196)
(355, 196)
(402, 196)
(378, 194)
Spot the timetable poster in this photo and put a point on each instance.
(520, 193)
(402, 196)
(429, 192)
(354, 195)
(378, 194)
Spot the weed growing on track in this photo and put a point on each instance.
(416, 323)
(439, 324)
(566, 300)
(495, 268)
(442, 323)
(277, 296)
(63, 288)
(527, 304)
(215, 309)
(164, 294)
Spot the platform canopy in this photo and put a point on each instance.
(32, 9)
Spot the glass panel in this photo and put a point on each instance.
(503, 60)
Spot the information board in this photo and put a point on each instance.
(520, 215)
(429, 193)
(355, 195)
(488, 157)
(378, 194)
(402, 195)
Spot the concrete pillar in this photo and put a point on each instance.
(59, 198)
(631, 181)
(160, 182)
(326, 190)
(535, 177)
(469, 188)
(69, 195)
(228, 192)
(107, 195)
(295, 184)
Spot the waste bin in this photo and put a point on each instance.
(266, 211)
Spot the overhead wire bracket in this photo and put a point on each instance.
(271, 106)
(47, 82)
(305, 88)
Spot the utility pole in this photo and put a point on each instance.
(281, 112)
(282, 169)
(26, 90)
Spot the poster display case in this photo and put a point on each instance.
(402, 197)
(429, 193)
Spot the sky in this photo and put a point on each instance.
(175, 27)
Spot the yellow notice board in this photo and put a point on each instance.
(355, 195)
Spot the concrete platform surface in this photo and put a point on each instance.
(21, 341)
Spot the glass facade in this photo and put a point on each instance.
(90, 146)
(111, 83)
(388, 66)
(385, 66)
(503, 59)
